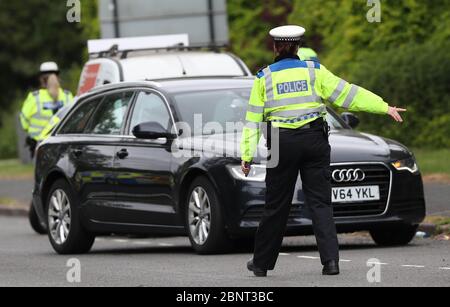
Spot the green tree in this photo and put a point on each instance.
(405, 58)
(34, 31)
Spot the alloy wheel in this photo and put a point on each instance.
(199, 215)
(59, 216)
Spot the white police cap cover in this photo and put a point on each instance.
(49, 67)
(287, 33)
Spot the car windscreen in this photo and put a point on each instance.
(221, 108)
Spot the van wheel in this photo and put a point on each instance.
(35, 223)
(65, 232)
(394, 236)
(204, 219)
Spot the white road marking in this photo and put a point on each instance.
(444, 268)
(308, 257)
(413, 266)
(344, 260)
(284, 254)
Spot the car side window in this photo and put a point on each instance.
(76, 123)
(110, 116)
(150, 107)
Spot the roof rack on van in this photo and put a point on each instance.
(123, 54)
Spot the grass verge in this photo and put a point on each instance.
(13, 169)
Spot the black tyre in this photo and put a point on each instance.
(65, 231)
(36, 225)
(394, 236)
(204, 219)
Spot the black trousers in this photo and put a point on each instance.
(307, 151)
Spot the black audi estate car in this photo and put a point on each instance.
(132, 159)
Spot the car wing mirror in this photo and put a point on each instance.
(152, 131)
(350, 119)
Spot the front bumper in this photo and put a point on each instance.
(402, 203)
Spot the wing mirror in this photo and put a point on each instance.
(350, 119)
(152, 131)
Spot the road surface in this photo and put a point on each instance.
(28, 260)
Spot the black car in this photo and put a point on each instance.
(161, 158)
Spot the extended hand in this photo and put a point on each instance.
(246, 167)
(394, 113)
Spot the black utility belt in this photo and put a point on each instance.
(316, 124)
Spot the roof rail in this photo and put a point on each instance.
(123, 54)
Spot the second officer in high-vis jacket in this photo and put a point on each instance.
(289, 94)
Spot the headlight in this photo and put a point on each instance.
(257, 173)
(408, 164)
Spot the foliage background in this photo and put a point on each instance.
(405, 58)
(34, 31)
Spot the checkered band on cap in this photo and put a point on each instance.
(287, 39)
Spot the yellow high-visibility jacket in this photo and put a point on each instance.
(39, 108)
(290, 94)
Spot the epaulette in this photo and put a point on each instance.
(260, 72)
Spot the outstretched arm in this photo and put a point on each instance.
(353, 97)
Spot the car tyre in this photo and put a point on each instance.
(35, 223)
(394, 236)
(204, 219)
(65, 232)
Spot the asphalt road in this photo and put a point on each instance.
(28, 260)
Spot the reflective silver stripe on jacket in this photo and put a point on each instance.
(298, 112)
(269, 83)
(251, 125)
(338, 91)
(350, 97)
(291, 101)
(312, 76)
(67, 97)
(255, 109)
(38, 102)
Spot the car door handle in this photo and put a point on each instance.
(122, 154)
(77, 152)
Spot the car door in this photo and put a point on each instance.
(94, 154)
(142, 168)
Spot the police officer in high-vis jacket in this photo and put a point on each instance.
(290, 94)
(41, 105)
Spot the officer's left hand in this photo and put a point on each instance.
(394, 113)
(246, 167)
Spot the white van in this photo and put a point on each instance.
(155, 58)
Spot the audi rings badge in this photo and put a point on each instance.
(348, 175)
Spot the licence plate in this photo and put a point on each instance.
(354, 194)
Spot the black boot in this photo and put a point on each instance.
(257, 271)
(331, 268)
